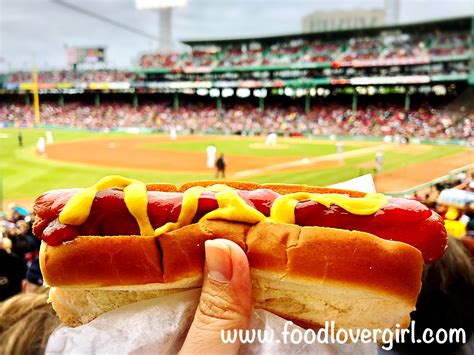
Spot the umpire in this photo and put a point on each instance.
(220, 166)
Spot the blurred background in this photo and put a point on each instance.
(126, 28)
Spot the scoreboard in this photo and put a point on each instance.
(81, 55)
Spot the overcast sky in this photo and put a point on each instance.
(43, 28)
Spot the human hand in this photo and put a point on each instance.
(226, 299)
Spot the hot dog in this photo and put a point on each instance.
(128, 241)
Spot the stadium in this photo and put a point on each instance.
(393, 101)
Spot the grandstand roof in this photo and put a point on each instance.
(456, 22)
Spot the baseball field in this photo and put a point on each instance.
(80, 158)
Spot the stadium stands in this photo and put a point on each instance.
(382, 81)
(61, 76)
(334, 118)
(444, 42)
(286, 52)
(306, 51)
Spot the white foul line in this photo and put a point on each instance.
(306, 161)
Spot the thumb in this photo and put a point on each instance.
(226, 299)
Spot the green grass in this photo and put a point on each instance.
(25, 175)
(236, 146)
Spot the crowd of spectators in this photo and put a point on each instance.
(340, 52)
(156, 60)
(282, 52)
(62, 76)
(80, 115)
(18, 252)
(453, 199)
(379, 120)
(314, 50)
(26, 319)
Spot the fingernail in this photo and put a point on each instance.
(218, 261)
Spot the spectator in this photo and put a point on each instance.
(445, 301)
(12, 273)
(34, 277)
(26, 322)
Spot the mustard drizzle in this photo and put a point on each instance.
(231, 205)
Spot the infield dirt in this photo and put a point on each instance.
(133, 153)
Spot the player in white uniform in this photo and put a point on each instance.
(41, 146)
(211, 156)
(271, 139)
(49, 137)
(173, 133)
(379, 161)
(340, 149)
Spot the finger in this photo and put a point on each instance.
(226, 299)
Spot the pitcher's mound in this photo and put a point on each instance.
(265, 146)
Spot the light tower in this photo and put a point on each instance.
(392, 12)
(165, 10)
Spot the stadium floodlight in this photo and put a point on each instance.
(400, 89)
(312, 91)
(214, 93)
(260, 92)
(424, 89)
(361, 90)
(371, 90)
(227, 92)
(243, 92)
(289, 92)
(320, 91)
(202, 92)
(439, 90)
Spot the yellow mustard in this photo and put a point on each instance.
(78, 208)
(189, 207)
(231, 206)
(283, 208)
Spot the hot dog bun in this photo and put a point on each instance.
(307, 274)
